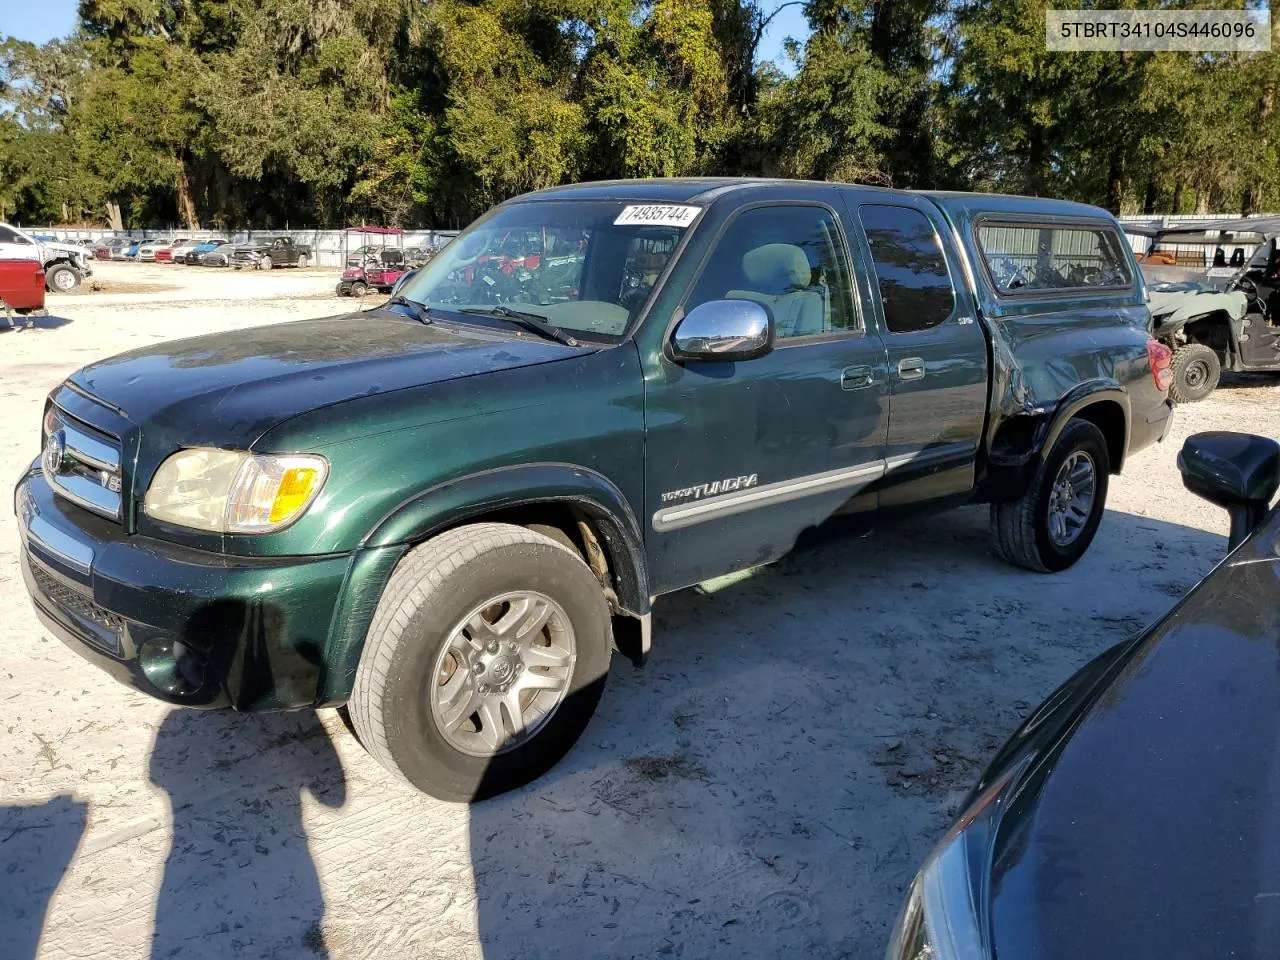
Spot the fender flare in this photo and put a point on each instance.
(1075, 400)
(1006, 476)
(472, 496)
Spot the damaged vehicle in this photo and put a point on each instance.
(65, 265)
(1222, 313)
(270, 253)
(448, 511)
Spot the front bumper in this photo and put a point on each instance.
(187, 626)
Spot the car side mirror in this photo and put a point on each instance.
(1237, 471)
(723, 330)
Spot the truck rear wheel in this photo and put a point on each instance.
(1196, 371)
(485, 660)
(302, 261)
(1051, 525)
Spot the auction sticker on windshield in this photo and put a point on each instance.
(657, 215)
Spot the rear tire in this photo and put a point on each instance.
(302, 261)
(423, 641)
(1196, 372)
(1026, 531)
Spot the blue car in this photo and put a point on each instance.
(131, 251)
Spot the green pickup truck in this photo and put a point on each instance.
(446, 512)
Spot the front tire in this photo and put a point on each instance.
(358, 289)
(62, 278)
(485, 660)
(1051, 525)
(265, 264)
(1196, 372)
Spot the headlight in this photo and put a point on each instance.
(228, 491)
(944, 916)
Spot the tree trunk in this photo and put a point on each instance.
(1152, 197)
(1202, 201)
(186, 207)
(1266, 110)
(114, 219)
(1177, 197)
(1037, 163)
(1115, 181)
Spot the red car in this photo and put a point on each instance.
(21, 286)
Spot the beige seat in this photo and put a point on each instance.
(781, 278)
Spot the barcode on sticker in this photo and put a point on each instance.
(657, 215)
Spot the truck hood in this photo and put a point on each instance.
(64, 247)
(1152, 830)
(227, 389)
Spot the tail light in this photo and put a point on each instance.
(1161, 358)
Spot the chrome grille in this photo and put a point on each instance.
(82, 464)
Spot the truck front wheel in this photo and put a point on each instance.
(1051, 525)
(1196, 371)
(61, 278)
(485, 660)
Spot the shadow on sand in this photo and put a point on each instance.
(239, 879)
(37, 843)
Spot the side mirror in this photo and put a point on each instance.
(1237, 471)
(724, 330)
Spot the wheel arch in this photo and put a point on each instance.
(581, 503)
(1022, 441)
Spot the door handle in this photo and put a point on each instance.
(910, 368)
(856, 378)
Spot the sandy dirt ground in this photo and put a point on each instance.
(766, 787)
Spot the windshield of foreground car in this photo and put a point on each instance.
(586, 266)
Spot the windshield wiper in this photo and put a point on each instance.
(420, 311)
(530, 321)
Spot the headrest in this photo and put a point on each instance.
(776, 262)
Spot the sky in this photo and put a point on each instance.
(43, 21)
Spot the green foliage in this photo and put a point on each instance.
(428, 111)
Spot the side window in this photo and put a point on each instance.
(911, 270)
(1030, 257)
(10, 236)
(791, 259)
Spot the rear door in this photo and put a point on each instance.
(936, 351)
(741, 458)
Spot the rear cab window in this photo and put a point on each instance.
(1029, 257)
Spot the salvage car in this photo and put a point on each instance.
(445, 512)
(272, 252)
(195, 255)
(65, 264)
(149, 248)
(1223, 314)
(111, 249)
(1132, 814)
(183, 249)
(167, 252)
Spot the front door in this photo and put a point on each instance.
(742, 457)
(937, 354)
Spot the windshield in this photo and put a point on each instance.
(587, 267)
